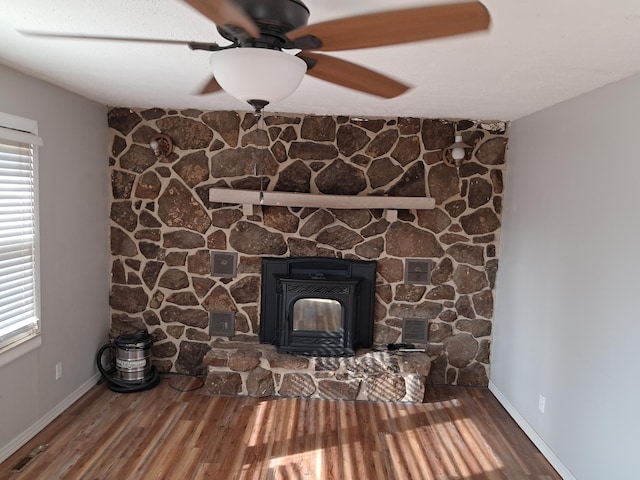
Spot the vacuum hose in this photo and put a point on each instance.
(118, 384)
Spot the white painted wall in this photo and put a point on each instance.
(74, 252)
(567, 320)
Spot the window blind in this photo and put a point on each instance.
(18, 308)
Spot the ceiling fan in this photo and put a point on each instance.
(257, 68)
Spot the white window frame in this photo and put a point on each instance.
(24, 338)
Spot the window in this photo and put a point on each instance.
(18, 231)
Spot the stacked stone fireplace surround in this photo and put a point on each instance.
(164, 228)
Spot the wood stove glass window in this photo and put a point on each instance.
(317, 314)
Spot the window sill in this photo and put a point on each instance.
(13, 352)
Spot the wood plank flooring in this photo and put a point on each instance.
(163, 433)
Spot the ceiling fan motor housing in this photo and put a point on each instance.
(274, 19)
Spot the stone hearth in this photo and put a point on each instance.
(370, 375)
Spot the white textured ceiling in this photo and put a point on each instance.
(536, 54)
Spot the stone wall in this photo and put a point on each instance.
(163, 226)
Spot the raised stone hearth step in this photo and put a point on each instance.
(370, 375)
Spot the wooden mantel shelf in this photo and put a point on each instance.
(249, 198)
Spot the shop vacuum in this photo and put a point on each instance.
(129, 367)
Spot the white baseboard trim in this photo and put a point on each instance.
(33, 430)
(532, 434)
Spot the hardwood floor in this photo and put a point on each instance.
(163, 433)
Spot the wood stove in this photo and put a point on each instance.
(317, 306)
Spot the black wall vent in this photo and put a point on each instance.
(417, 271)
(414, 330)
(221, 324)
(223, 264)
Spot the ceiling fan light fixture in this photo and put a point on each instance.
(257, 74)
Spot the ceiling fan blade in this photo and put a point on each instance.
(211, 86)
(396, 26)
(29, 33)
(350, 75)
(224, 13)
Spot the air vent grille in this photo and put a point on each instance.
(223, 264)
(414, 330)
(221, 324)
(319, 289)
(417, 271)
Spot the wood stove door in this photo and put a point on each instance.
(318, 316)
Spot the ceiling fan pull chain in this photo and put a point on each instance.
(264, 155)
